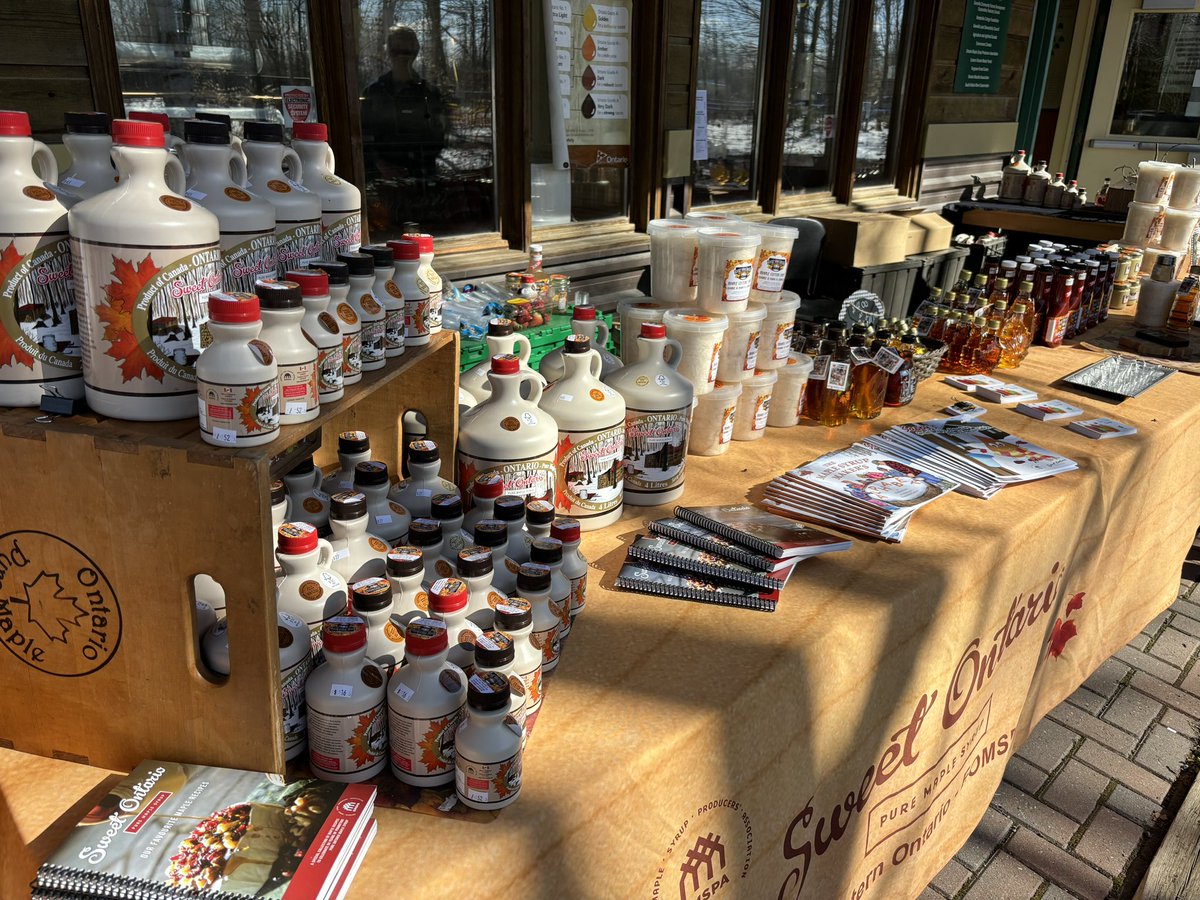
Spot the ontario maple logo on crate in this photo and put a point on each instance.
(58, 611)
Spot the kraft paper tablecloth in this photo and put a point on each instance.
(844, 746)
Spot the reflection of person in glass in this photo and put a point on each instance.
(403, 116)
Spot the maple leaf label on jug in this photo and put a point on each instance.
(590, 474)
(37, 305)
(655, 447)
(146, 318)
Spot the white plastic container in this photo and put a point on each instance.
(353, 447)
(584, 321)
(514, 617)
(474, 566)
(447, 509)
(775, 345)
(788, 398)
(699, 333)
(389, 297)
(297, 209)
(1185, 191)
(493, 535)
(425, 706)
(448, 603)
(367, 307)
(591, 438)
(548, 552)
(633, 314)
(1012, 181)
(282, 313)
(406, 572)
(658, 403)
(321, 327)
(510, 509)
(306, 503)
(371, 600)
(1144, 223)
(1178, 227)
(1154, 181)
(574, 564)
(338, 274)
(415, 292)
(249, 248)
(774, 255)
(347, 717)
(726, 269)
(712, 420)
(510, 435)
(357, 553)
(416, 492)
(533, 584)
(539, 519)
(426, 534)
(502, 339)
(87, 139)
(237, 380)
(429, 281)
(159, 253)
(741, 344)
(310, 590)
(389, 520)
(495, 651)
(483, 493)
(341, 202)
(487, 765)
(750, 423)
(1036, 184)
(674, 255)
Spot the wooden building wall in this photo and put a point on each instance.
(43, 63)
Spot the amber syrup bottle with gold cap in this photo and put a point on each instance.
(835, 402)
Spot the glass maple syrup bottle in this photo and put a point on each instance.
(815, 387)
(835, 402)
(902, 383)
(868, 384)
(999, 292)
(988, 353)
(977, 292)
(1014, 338)
(951, 337)
(970, 361)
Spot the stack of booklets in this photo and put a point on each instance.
(861, 490)
(982, 458)
(736, 555)
(171, 830)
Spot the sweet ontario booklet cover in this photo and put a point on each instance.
(172, 830)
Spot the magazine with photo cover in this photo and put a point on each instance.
(170, 830)
(647, 578)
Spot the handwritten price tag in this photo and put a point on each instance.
(345, 691)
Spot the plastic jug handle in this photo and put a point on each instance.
(324, 553)
(176, 179)
(535, 387)
(523, 347)
(330, 163)
(601, 334)
(43, 159)
(292, 167)
(237, 167)
(595, 364)
(674, 353)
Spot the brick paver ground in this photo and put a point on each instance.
(1079, 797)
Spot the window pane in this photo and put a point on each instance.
(1158, 96)
(581, 100)
(227, 56)
(812, 96)
(728, 70)
(426, 71)
(874, 160)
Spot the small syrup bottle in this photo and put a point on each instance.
(495, 651)
(515, 618)
(989, 347)
(510, 509)
(416, 492)
(487, 488)
(406, 572)
(835, 402)
(371, 601)
(533, 584)
(448, 510)
(487, 765)
(548, 552)
(448, 603)
(309, 590)
(237, 378)
(353, 447)
(474, 566)
(575, 566)
(902, 382)
(347, 723)
(427, 535)
(357, 553)
(389, 520)
(306, 503)
(493, 534)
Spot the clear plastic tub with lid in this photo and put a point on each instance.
(750, 422)
(774, 254)
(775, 345)
(788, 396)
(726, 269)
(742, 344)
(699, 333)
(713, 418)
(673, 255)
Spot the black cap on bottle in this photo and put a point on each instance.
(423, 451)
(275, 294)
(577, 343)
(305, 465)
(546, 550)
(278, 491)
(494, 649)
(224, 119)
(381, 253)
(514, 614)
(347, 505)
(267, 132)
(539, 512)
(490, 533)
(474, 562)
(199, 131)
(509, 508)
(445, 506)
(425, 532)
(371, 473)
(909, 339)
(338, 272)
(353, 442)
(371, 594)
(487, 691)
(359, 263)
(405, 561)
(500, 327)
(86, 123)
(533, 578)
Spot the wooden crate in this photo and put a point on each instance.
(106, 522)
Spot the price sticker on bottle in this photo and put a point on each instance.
(329, 579)
(403, 691)
(343, 553)
(344, 691)
(225, 436)
(295, 408)
(888, 360)
(424, 492)
(384, 519)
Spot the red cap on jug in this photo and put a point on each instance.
(14, 123)
(297, 537)
(129, 133)
(233, 307)
(584, 314)
(405, 250)
(313, 282)
(424, 241)
(310, 131)
(343, 634)
(654, 330)
(506, 364)
(425, 637)
(142, 115)
(489, 485)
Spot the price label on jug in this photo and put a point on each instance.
(345, 691)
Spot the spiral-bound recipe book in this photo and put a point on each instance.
(649, 578)
(764, 532)
(675, 555)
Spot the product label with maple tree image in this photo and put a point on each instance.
(655, 449)
(39, 334)
(346, 743)
(232, 411)
(488, 782)
(532, 479)
(244, 261)
(590, 471)
(145, 315)
(340, 233)
(299, 245)
(419, 746)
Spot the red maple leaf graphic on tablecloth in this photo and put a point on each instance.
(121, 296)
(1063, 632)
(562, 500)
(10, 352)
(49, 609)
(1075, 603)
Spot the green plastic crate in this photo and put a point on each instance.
(542, 340)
